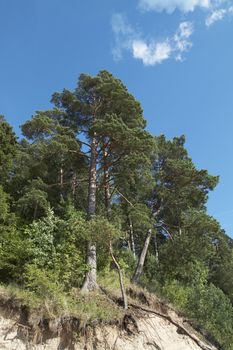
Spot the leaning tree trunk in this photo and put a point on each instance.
(90, 282)
(141, 261)
(122, 286)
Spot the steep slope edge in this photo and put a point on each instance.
(141, 328)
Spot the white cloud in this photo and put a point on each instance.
(171, 5)
(218, 14)
(216, 9)
(185, 30)
(153, 51)
(150, 52)
(181, 39)
(124, 34)
(215, 16)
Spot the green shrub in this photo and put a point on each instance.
(44, 284)
(176, 293)
(14, 254)
(212, 309)
(127, 261)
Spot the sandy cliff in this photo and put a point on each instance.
(140, 329)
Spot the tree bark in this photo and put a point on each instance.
(90, 282)
(180, 231)
(61, 183)
(131, 236)
(107, 194)
(141, 261)
(156, 248)
(92, 180)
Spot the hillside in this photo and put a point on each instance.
(147, 324)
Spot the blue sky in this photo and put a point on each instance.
(175, 56)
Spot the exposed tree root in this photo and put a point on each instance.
(180, 328)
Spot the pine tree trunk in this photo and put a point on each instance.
(107, 195)
(61, 183)
(92, 180)
(142, 258)
(131, 235)
(90, 282)
(156, 249)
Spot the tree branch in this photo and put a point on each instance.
(121, 194)
(79, 152)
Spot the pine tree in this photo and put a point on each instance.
(52, 156)
(110, 125)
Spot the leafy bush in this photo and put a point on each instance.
(176, 293)
(4, 205)
(43, 283)
(212, 309)
(127, 261)
(207, 305)
(14, 254)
